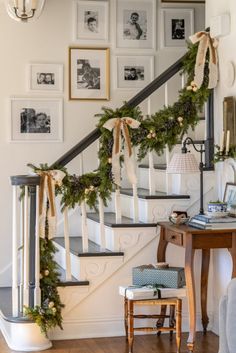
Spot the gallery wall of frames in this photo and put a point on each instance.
(119, 35)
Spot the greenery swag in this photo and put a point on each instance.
(165, 127)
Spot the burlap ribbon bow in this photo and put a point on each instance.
(205, 42)
(48, 180)
(120, 128)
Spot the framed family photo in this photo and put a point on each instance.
(36, 119)
(91, 20)
(177, 25)
(89, 70)
(45, 77)
(230, 198)
(135, 24)
(134, 71)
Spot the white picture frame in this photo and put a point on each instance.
(135, 24)
(36, 119)
(134, 72)
(177, 24)
(89, 73)
(45, 77)
(91, 20)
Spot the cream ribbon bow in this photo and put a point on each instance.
(48, 180)
(205, 42)
(120, 127)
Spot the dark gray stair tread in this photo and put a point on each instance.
(6, 306)
(110, 221)
(158, 166)
(144, 194)
(93, 248)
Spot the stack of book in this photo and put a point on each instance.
(202, 221)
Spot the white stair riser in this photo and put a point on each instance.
(159, 179)
(120, 239)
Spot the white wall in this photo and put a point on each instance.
(47, 41)
(221, 259)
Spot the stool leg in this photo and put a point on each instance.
(172, 320)
(178, 324)
(160, 322)
(130, 325)
(126, 317)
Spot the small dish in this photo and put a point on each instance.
(179, 220)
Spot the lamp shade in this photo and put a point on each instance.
(182, 163)
(24, 10)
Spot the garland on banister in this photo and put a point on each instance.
(121, 130)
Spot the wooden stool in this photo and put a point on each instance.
(174, 320)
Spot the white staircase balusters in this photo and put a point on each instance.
(81, 164)
(37, 291)
(84, 227)
(15, 307)
(182, 80)
(151, 171)
(67, 244)
(135, 192)
(117, 205)
(167, 148)
(26, 249)
(101, 224)
(21, 254)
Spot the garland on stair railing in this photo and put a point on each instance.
(156, 131)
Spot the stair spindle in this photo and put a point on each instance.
(118, 205)
(14, 256)
(167, 148)
(26, 249)
(84, 227)
(21, 254)
(81, 164)
(67, 244)
(37, 291)
(151, 171)
(102, 224)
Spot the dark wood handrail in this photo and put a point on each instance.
(133, 102)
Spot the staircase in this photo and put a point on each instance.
(97, 259)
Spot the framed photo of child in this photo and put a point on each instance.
(135, 24)
(36, 119)
(91, 20)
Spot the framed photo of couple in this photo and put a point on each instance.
(89, 73)
(36, 119)
(45, 77)
(135, 24)
(91, 20)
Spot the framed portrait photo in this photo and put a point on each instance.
(230, 198)
(45, 77)
(36, 119)
(177, 24)
(89, 71)
(91, 20)
(135, 24)
(134, 71)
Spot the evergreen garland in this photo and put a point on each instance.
(165, 127)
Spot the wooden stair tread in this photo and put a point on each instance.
(110, 221)
(93, 248)
(144, 194)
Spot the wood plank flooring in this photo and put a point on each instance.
(142, 344)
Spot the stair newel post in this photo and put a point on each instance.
(26, 248)
(102, 224)
(135, 192)
(37, 291)
(22, 253)
(15, 308)
(67, 244)
(117, 205)
(84, 227)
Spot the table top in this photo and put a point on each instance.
(183, 228)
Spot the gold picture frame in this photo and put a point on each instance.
(229, 118)
(89, 73)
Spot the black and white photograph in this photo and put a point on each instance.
(89, 70)
(135, 24)
(134, 72)
(33, 122)
(88, 74)
(91, 20)
(36, 119)
(178, 29)
(177, 25)
(45, 77)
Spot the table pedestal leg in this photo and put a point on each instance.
(189, 274)
(233, 254)
(204, 286)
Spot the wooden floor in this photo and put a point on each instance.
(142, 344)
